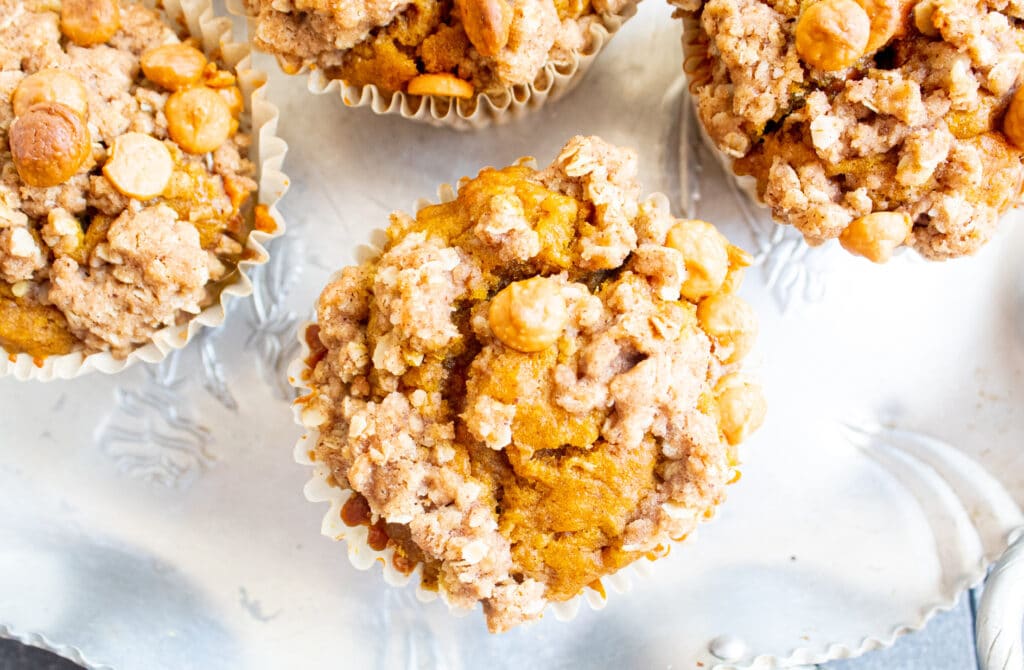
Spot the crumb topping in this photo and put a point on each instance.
(152, 270)
(918, 124)
(429, 47)
(518, 390)
(110, 229)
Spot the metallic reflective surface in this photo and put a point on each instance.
(156, 518)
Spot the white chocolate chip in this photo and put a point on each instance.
(357, 426)
(11, 218)
(139, 166)
(474, 552)
(23, 244)
(825, 131)
(63, 223)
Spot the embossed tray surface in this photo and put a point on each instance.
(156, 519)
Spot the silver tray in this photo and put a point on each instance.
(156, 519)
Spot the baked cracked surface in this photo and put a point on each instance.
(536, 383)
(879, 122)
(123, 175)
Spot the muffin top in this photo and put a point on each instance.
(535, 384)
(429, 47)
(122, 176)
(880, 122)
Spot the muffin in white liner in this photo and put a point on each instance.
(360, 552)
(259, 119)
(466, 411)
(554, 79)
(908, 138)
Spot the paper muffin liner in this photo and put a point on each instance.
(553, 81)
(267, 152)
(320, 489)
(697, 68)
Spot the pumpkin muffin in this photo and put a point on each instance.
(879, 122)
(123, 175)
(446, 48)
(535, 384)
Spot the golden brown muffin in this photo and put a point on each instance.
(878, 122)
(429, 47)
(123, 177)
(536, 383)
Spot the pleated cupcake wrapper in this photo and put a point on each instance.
(267, 152)
(553, 81)
(697, 67)
(320, 489)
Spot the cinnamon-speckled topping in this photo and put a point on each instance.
(535, 384)
(844, 110)
(429, 47)
(119, 211)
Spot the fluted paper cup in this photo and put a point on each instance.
(321, 486)
(553, 81)
(267, 152)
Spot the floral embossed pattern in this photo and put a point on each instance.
(152, 435)
(154, 431)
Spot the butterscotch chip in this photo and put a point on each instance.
(214, 77)
(139, 166)
(48, 144)
(876, 235)
(445, 85)
(233, 96)
(833, 34)
(198, 119)
(741, 406)
(20, 289)
(739, 260)
(487, 23)
(924, 18)
(89, 22)
(173, 66)
(50, 85)
(887, 18)
(731, 323)
(529, 315)
(706, 255)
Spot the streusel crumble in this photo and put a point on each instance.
(455, 48)
(878, 122)
(122, 176)
(536, 383)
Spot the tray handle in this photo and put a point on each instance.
(1001, 613)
